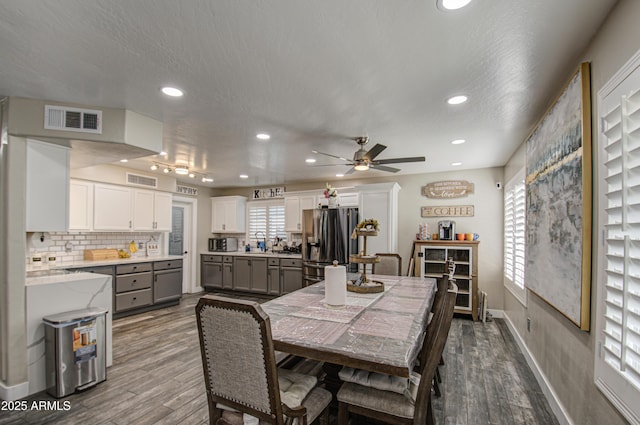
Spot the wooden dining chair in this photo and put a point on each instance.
(390, 264)
(413, 406)
(241, 376)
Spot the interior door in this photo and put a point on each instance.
(180, 240)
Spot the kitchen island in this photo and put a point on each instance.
(56, 291)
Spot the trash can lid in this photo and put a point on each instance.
(75, 315)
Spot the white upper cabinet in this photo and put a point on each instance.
(162, 203)
(47, 181)
(228, 214)
(151, 210)
(293, 207)
(112, 208)
(80, 205)
(380, 201)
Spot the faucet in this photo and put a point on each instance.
(264, 240)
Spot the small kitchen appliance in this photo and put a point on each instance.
(223, 244)
(447, 230)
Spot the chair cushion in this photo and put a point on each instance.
(408, 387)
(380, 401)
(294, 386)
(317, 400)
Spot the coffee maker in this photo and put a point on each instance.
(447, 230)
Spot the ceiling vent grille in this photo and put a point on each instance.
(72, 119)
(138, 180)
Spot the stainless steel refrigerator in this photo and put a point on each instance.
(326, 236)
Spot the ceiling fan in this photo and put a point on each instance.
(363, 159)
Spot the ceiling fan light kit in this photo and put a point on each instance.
(363, 160)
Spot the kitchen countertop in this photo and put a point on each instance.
(53, 277)
(254, 254)
(95, 263)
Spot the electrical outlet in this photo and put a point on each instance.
(528, 324)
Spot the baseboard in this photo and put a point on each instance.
(498, 314)
(15, 392)
(556, 406)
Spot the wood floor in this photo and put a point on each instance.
(157, 378)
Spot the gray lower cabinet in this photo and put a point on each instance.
(211, 272)
(167, 281)
(273, 276)
(291, 274)
(133, 286)
(250, 274)
(242, 274)
(227, 272)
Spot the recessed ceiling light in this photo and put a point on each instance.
(456, 164)
(244, 176)
(163, 153)
(207, 180)
(124, 160)
(172, 91)
(263, 136)
(456, 100)
(192, 175)
(452, 4)
(310, 160)
(339, 175)
(458, 141)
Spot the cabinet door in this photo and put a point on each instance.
(217, 216)
(211, 275)
(228, 214)
(47, 196)
(162, 211)
(274, 280)
(242, 274)
(143, 209)
(259, 279)
(111, 207)
(167, 285)
(292, 214)
(80, 205)
(291, 279)
(227, 276)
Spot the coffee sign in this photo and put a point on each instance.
(448, 211)
(447, 189)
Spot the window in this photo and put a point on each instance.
(617, 363)
(265, 218)
(514, 235)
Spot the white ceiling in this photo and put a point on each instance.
(313, 74)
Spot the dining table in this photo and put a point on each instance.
(380, 332)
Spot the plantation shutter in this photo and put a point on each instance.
(519, 232)
(617, 366)
(267, 218)
(509, 234)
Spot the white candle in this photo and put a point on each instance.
(335, 285)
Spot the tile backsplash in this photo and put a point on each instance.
(70, 246)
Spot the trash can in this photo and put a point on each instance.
(75, 350)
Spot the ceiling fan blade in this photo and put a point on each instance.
(374, 151)
(399, 160)
(350, 171)
(384, 168)
(332, 156)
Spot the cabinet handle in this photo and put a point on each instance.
(129, 224)
(224, 227)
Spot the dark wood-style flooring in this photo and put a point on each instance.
(157, 378)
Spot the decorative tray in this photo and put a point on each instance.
(369, 259)
(372, 286)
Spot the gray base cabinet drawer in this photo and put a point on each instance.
(166, 265)
(133, 268)
(133, 299)
(290, 262)
(133, 282)
(212, 258)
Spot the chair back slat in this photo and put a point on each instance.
(238, 358)
(432, 349)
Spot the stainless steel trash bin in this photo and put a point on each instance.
(75, 344)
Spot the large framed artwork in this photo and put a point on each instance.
(558, 182)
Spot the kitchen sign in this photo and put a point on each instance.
(448, 211)
(447, 189)
(268, 193)
(186, 190)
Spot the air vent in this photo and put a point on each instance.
(72, 119)
(138, 180)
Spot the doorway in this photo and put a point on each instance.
(182, 239)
